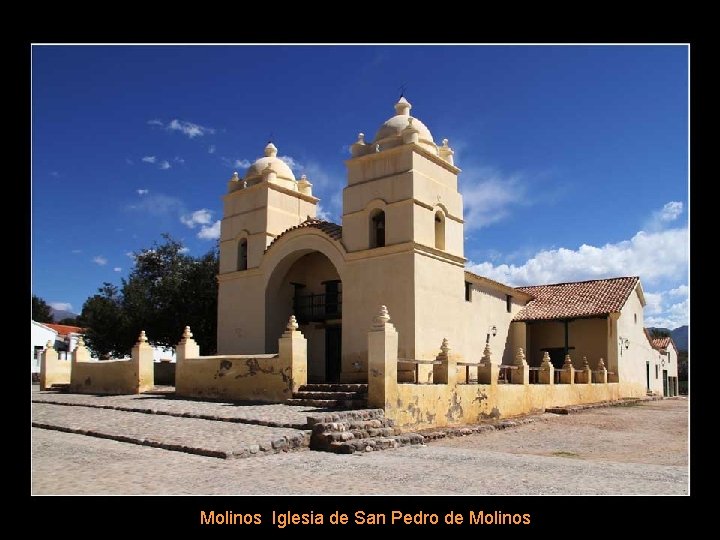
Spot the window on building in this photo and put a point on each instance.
(439, 230)
(242, 255)
(508, 303)
(377, 229)
(38, 351)
(636, 318)
(656, 371)
(468, 291)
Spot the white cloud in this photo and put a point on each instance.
(671, 211)
(155, 122)
(117, 269)
(100, 260)
(211, 149)
(158, 204)
(142, 191)
(198, 217)
(61, 306)
(664, 312)
(184, 249)
(665, 215)
(291, 162)
(681, 291)
(652, 256)
(210, 233)
(129, 161)
(189, 128)
(178, 159)
(130, 254)
(322, 213)
(55, 174)
(242, 163)
(77, 250)
(149, 159)
(165, 165)
(488, 197)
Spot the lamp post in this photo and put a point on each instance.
(492, 331)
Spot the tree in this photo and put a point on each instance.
(165, 291)
(106, 327)
(41, 311)
(168, 290)
(70, 321)
(659, 333)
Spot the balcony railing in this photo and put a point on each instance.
(317, 307)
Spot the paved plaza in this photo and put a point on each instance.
(156, 444)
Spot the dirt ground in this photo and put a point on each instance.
(639, 449)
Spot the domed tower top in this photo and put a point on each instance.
(390, 133)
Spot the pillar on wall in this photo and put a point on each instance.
(47, 360)
(547, 371)
(567, 376)
(382, 360)
(520, 375)
(600, 374)
(584, 374)
(81, 352)
(489, 371)
(142, 357)
(292, 352)
(446, 371)
(187, 347)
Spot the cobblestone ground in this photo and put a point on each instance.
(205, 437)
(624, 450)
(270, 415)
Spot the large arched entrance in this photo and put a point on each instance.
(307, 284)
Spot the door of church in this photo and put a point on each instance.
(333, 341)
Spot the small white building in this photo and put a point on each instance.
(40, 334)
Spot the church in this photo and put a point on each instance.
(400, 245)
(380, 310)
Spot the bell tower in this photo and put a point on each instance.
(256, 209)
(259, 207)
(402, 189)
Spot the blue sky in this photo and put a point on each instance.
(574, 158)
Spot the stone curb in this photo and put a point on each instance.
(433, 434)
(282, 444)
(627, 402)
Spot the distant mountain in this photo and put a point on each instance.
(60, 314)
(679, 336)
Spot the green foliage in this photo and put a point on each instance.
(659, 333)
(165, 291)
(41, 311)
(105, 323)
(70, 321)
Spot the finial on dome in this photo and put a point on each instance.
(235, 176)
(403, 106)
(446, 152)
(270, 150)
(361, 138)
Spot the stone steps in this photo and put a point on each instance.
(334, 387)
(330, 396)
(365, 431)
(328, 403)
(305, 394)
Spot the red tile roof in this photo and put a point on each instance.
(333, 230)
(577, 299)
(661, 342)
(65, 329)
